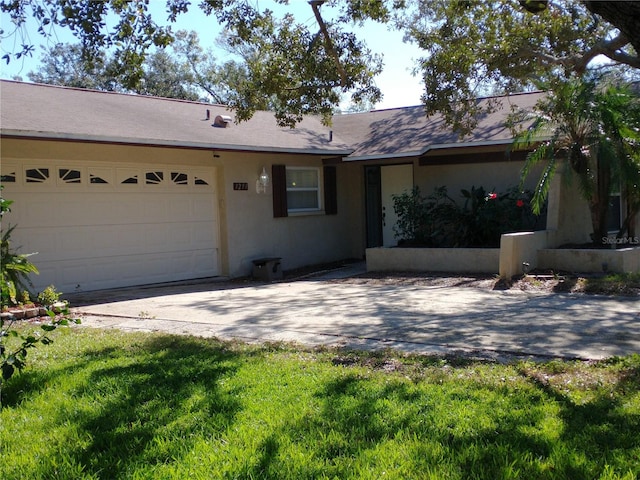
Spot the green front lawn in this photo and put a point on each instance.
(111, 405)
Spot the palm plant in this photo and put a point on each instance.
(15, 268)
(593, 124)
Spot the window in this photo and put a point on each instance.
(8, 177)
(154, 178)
(179, 178)
(297, 189)
(303, 189)
(37, 175)
(69, 176)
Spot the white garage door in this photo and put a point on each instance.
(105, 226)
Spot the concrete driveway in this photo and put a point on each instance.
(433, 320)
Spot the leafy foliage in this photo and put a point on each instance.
(439, 221)
(14, 358)
(301, 71)
(14, 267)
(594, 124)
(475, 47)
(49, 296)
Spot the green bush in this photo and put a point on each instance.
(49, 296)
(15, 268)
(439, 221)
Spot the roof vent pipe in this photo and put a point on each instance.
(222, 121)
(208, 114)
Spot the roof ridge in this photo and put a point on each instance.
(487, 97)
(127, 94)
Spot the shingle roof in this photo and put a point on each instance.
(46, 111)
(408, 131)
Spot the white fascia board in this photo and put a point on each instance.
(168, 143)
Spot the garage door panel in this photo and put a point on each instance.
(203, 207)
(204, 261)
(200, 234)
(103, 236)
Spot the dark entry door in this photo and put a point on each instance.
(373, 194)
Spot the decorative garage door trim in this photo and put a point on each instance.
(108, 225)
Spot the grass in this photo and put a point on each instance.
(612, 284)
(112, 405)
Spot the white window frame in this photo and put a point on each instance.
(306, 189)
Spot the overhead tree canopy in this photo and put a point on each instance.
(184, 70)
(303, 69)
(162, 74)
(471, 47)
(592, 123)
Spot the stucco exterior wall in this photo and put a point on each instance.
(247, 227)
(568, 213)
(457, 260)
(591, 260)
(300, 238)
(498, 175)
(522, 247)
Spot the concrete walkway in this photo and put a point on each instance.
(433, 320)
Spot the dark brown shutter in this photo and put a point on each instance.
(330, 191)
(279, 182)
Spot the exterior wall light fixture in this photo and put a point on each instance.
(262, 182)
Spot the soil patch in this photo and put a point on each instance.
(535, 282)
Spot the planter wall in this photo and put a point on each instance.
(623, 260)
(454, 260)
(522, 247)
(507, 261)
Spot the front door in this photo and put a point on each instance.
(381, 184)
(395, 179)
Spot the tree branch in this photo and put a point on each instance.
(315, 5)
(609, 48)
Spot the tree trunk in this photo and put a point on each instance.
(599, 205)
(625, 16)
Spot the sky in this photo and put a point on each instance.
(399, 87)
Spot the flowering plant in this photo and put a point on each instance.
(440, 221)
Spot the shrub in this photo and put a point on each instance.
(439, 221)
(15, 268)
(49, 296)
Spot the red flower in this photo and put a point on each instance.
(493, 196)
(520, 203)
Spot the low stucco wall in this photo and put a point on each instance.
(515, 249)
(457, 260)
(518, 248)
(625, 260)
